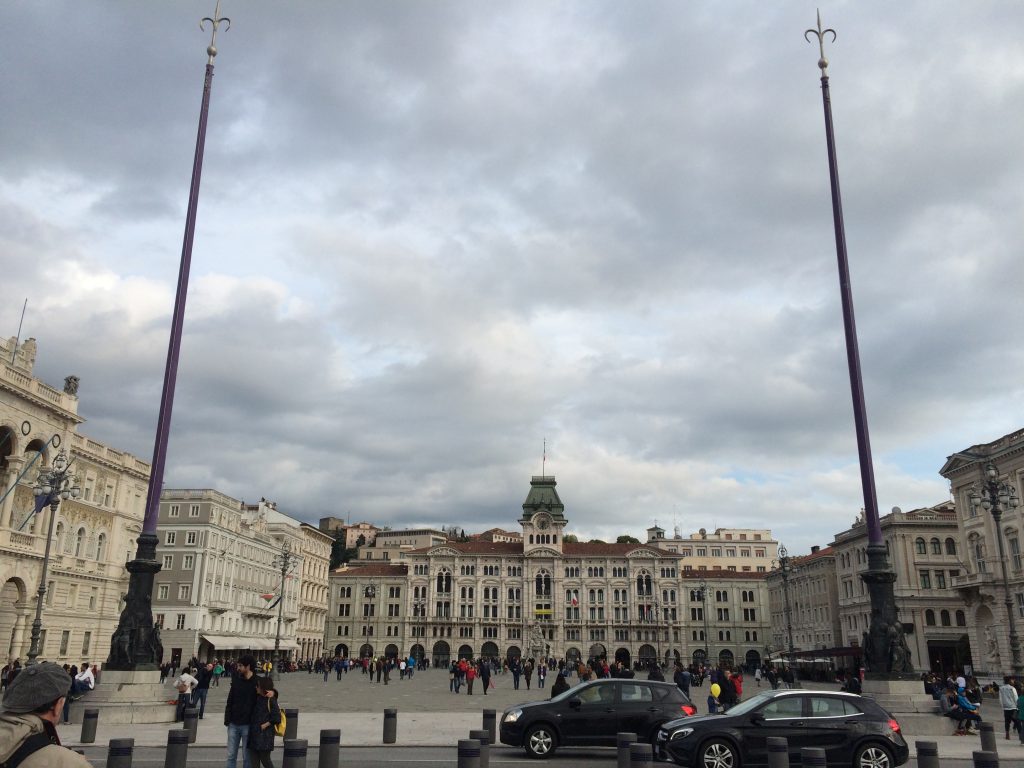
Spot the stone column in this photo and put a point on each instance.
(18, 635)
(16, 465)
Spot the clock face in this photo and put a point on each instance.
(543, 523)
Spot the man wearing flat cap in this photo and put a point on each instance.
(29, 712)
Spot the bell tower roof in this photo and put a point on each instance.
(543, 498)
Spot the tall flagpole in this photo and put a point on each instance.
(886, 655)
(135, 644)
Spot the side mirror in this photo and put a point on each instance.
(574, 702)
(757, 718)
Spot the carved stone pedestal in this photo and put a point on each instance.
(916, 711)
(128, 697)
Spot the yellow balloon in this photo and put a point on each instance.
(715, 689)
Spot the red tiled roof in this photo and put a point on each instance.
(718, 575)
(476, 548)
(588, 549)
(373, 569)
(823, 552)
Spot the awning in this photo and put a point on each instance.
(230, 642)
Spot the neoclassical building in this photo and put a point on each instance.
(94, 535)
(545, 596)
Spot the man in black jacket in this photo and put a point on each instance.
(727, 695)
(238, 712)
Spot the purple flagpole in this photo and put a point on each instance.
(886, 655)
(136, 644)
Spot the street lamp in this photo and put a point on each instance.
(52, 485)
(284, 561)
(785, 568)
(704, 609)
(994, 497)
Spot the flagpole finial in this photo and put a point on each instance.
(820, 34)
(211, 49)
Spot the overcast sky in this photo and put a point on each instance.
(433, 234)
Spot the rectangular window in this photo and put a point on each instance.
(183, 591)
(158, 620)
(940, 579)
(173, 511)
(168, 562)
(1020, 604)
(1015, 553)
(926, 579)
(190, 537)
(162, 592)
(193, 510)
(65, 639)
(170, 537)
(86, 642)
(180, 621)
(188, 562)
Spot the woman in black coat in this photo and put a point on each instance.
(265, 715)
(561, 685)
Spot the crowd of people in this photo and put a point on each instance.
(960, 699)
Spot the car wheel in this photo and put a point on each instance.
(718, 754)
(540, 741)
(873, 756)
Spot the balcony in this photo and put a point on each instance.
(974, 580)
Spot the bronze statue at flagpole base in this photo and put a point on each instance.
(135, 644)
(886, 654)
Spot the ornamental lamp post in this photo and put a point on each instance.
(994, 497)
(285, 561)
(786, 569)
(51, 486)
(704, 609)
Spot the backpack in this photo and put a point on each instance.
(29, 747)
(280, 727)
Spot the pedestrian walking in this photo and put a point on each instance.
(266, 714)
(528, 672)
(203, 677)
(470, 679)
(238, 710)
(485, 675)
(185, 683)
(757, 676)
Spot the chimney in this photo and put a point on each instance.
(814, 549)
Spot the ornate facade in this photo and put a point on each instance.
(545, 596)
(94, 535)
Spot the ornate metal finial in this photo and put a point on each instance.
(211, 50)
(820, 34)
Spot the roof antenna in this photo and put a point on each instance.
(544, 459)
(14, 352)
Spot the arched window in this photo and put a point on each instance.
(444, 581)
(59, 537)
(929, 617)
(531, 538)
(961, 619)
(101, 546)
(944, 618)
(950, 547)
(936, 546)
(79, 542)
(920, 547)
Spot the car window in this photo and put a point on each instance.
(783, 707)
(598, 694)
(827, 706)
(666, 693)
(636, 692)
(851, 708)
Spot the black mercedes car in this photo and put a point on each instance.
(591, 714)
(853, 730)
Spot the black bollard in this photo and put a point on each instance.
(330, 745)
(390, 725)
(291, 725)
(812, 757)
(985, 759)
(484, 737)
(192, 724)
(177, 749)
(119, 753)
(622, 741)
(469, 753)
(640, 755)
(927, 754)
(90, 719)
(295, 753)
(490, 723)
(988, 738)
(778, 752)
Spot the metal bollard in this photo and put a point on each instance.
(622, 741)
(90, 719)
(330, 745)
(469, 753)
(390, 725)
(119, 753)
(295, 753)
(192, 724)
(985, 759)
(778, 752)
(484, 737)
(177, 749)
(988, 738)
(812, 757)
(490, 723)
(291, 725)
(927, 754)
(640, 755)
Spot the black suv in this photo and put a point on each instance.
(590, 714)
(853, 730)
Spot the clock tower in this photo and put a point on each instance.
(543, 517)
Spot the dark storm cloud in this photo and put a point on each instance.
(432, 234)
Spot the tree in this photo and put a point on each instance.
(627, 540)
(570, 538)
(596, 541)
(361, 541)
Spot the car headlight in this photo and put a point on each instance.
(682, 733)
(512, 715)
